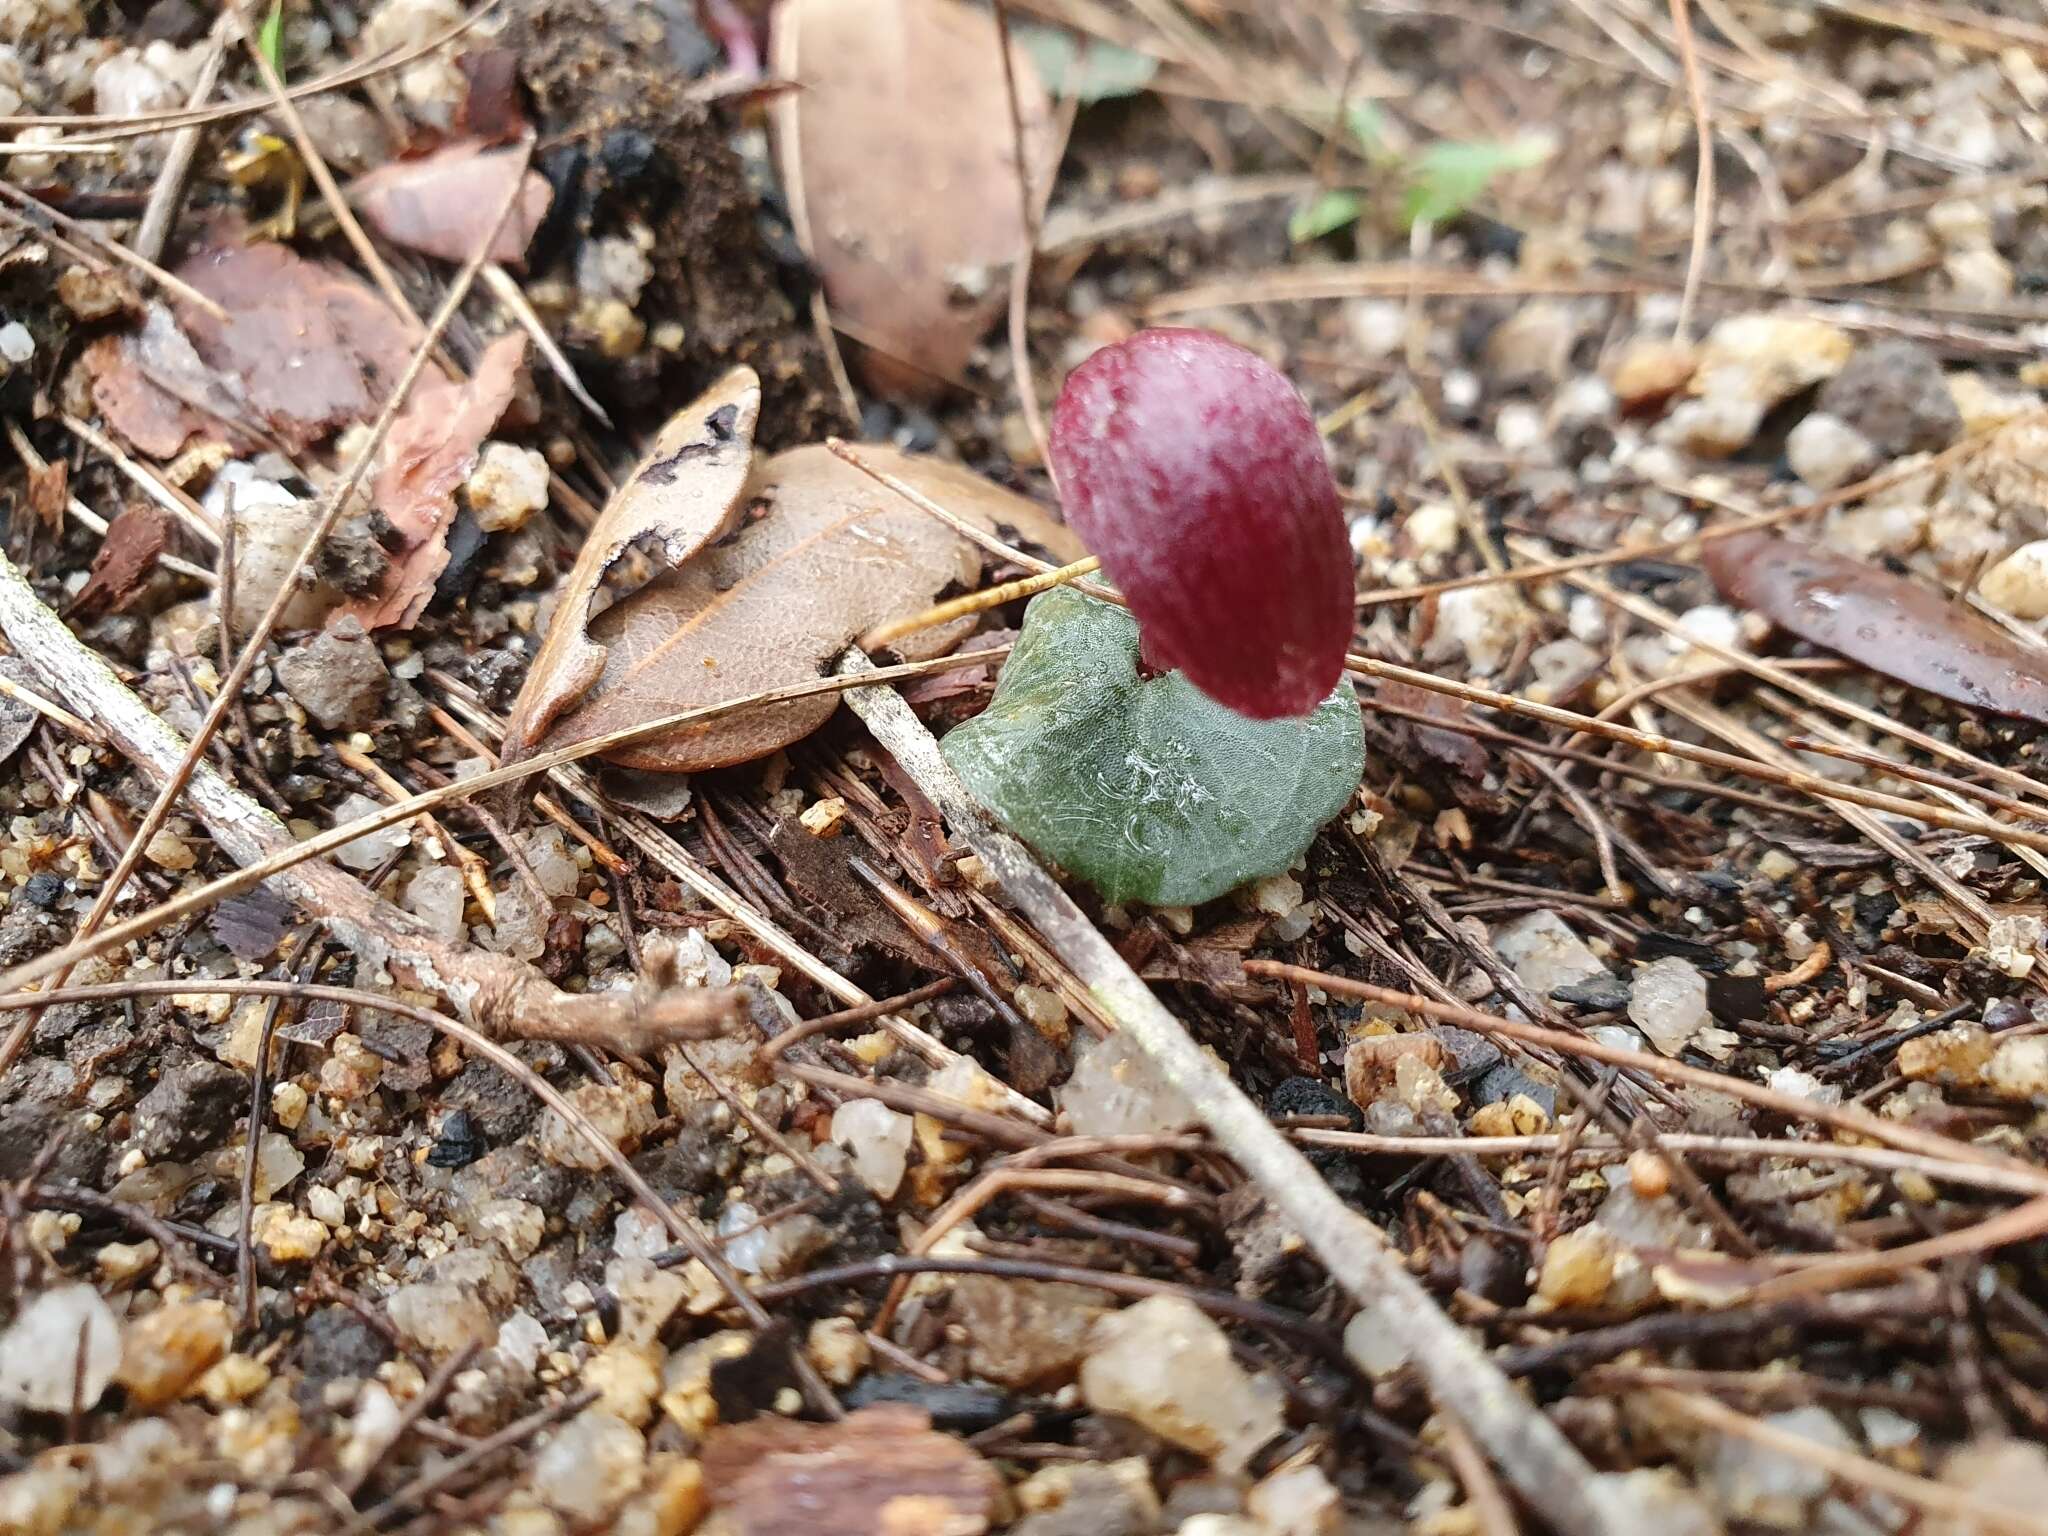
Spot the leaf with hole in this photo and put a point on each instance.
(1143, 786)
(1901, 628)
(825, 555)
(685, 493)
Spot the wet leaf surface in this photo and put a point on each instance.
(1144, 787)
(829, 556)
(1903, 629)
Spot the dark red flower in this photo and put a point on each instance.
(1195, 471)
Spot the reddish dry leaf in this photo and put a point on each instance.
(445, 203)
(49, 492)
(1887, 623)
(311, 346)
(832, 556)
(491, 109)
(126, 556)
(684, 494)
(882, 1471)
(431, 450)
(900, 162)
(152, 422)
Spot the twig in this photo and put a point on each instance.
(977, 602)
(129, 125)
(56, 713)
(1703, 179)
(252, 650)
(271, 853)
(1969, 1511)
(499, 993)
(168, 193)
(1020, 266)
(440, 1476)
(36, 212)
(1859, 1122)
(350, 1483)
(1529, 1449)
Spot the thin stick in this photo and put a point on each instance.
(252, 649)
(183, 291)
(1724, 762)
(1703, 179)
(1906, 1138)
(957, 523)
(1605, 1150)
(1971, 1512)
(53, 712)
(977, 602)
(258, 870)
(330, 189)
(1020, 266)
(129, 125)
(685, 1231)
(1529, 1449)
(165, 197)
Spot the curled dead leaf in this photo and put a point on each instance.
(445, 204)
(685, 493)
(899, 159)
(1892, 625)
(431, 450)
(830, 556)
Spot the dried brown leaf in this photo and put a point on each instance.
(491, 108)
(445, 204)
(431, 450)
(312, 347)
(882, 1471)
(154, 421)
(1887, 623)
(831, 556)
(126, 556)
(898, 150)
(685, 493)
(49, 492)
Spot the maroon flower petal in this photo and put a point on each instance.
(1194, 470)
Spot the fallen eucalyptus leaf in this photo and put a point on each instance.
(685, 493)
(1903, 629)
(1144, 787)
(831, 556)
(899, 157)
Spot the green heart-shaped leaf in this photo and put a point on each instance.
(1144, 787)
